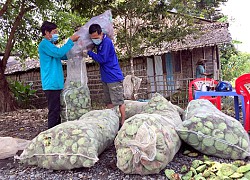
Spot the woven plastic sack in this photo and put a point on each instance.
(159, 105)
(73, 144)
(212, 132)
(132, 108)
(146, 143)
(131, 86)
(104, 20)
(10, 146)
(75, 98)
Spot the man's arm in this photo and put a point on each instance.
(208, 74)
(103, 55)
(55, 51)
(64, 57)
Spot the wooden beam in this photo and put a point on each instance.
(192, 63)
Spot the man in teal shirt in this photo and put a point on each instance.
(200, 69)
(51, 69)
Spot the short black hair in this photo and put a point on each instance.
(95, 28)
(48, 26)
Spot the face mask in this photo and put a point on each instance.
(54, 38)
(96, 41)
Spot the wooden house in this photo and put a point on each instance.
(167, 69)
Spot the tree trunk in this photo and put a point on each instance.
(132, 66)
(7, 102)
(5, 7)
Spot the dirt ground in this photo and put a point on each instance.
(27, 124)
(24, 124)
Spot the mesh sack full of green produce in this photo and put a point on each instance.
(73, 144)
(212, 132)
(132, 108)
(75, 97)
(146, 143)
(159, 105)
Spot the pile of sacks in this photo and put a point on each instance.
(147, 141)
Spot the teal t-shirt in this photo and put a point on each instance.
(200, 70)
(50, 63)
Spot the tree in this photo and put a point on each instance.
(20, 33)
(148, 23)
(233, 62)
(21, 19)
(207, 9)
(147, 27)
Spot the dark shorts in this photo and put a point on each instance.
(113, 93)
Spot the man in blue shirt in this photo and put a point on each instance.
(111, 74)
(51, 69)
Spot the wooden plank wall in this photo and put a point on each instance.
(94, 81)
(95, 84)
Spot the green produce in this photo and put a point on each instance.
(169, 173)
(184, 169)
(227, 169)
(212, 170)
(187, 176)
(73, 144)
(159, 105)
(236, 175)
(75, 101)
(243, 169)
(146, 143)
(247, 175)
(201, 168)
(212, 132)
(132, 108)
(197, 163)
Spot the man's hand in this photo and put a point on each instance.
(74, 37)
(85, 53)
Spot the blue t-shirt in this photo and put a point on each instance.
(50, 63)
(200, 70)
(109, 66)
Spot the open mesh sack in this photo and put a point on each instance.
(146, 143)
(75, 97)
(73, 144)
(212, 132)
(159, 105)
(132, 108)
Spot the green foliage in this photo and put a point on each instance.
(207, 9)
(149, 25)
(233, 63)
(90, 8)
(20, 30)
(28, 34)
(144, 25)
(67, 23)
(22, 93)
(227, 50)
